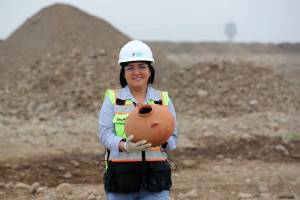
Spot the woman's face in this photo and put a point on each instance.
(137, 74)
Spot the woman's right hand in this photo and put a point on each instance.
(130, 146)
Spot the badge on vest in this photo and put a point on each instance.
(121, 120)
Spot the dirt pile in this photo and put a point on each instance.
(223, 88)
(238, 121)
(58, 29)
(66, 59)
(56, 84)
(75, 83)
(282, 57)
(62, 60)
(49, 63)
(225, 48)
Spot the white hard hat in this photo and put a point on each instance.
(135, 50)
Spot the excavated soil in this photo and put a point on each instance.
(238, 118)
(225, 159)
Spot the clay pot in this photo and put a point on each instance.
(150, 122)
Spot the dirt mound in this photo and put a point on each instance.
(225, 48)
(66, 59)
(292, 48)
(58, 29)
(283, 57)
(76, 83)
(50, 55)
(238, 121)
(224, 88)
(56, 84)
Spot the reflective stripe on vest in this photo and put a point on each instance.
(121, 113)
(154, 155)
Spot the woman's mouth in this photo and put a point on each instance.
(137, 78)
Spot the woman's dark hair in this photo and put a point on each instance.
(123, 81)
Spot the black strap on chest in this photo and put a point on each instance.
(120, 102)
(158, 102)
(144, 169)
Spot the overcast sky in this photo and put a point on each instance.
(267, 21)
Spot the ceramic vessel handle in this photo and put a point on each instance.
(154, 123)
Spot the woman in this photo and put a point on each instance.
(130, 173)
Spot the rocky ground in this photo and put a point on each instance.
(238, 116)
(226, 158)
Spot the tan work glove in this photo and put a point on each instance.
(130, 146)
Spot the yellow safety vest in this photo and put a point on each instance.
(122, 108)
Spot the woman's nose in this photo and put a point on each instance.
(136, 70)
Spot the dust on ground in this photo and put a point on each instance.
(238, 118)
(210, 165)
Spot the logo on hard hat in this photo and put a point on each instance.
(139, 54)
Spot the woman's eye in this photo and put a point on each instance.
(130, 68)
